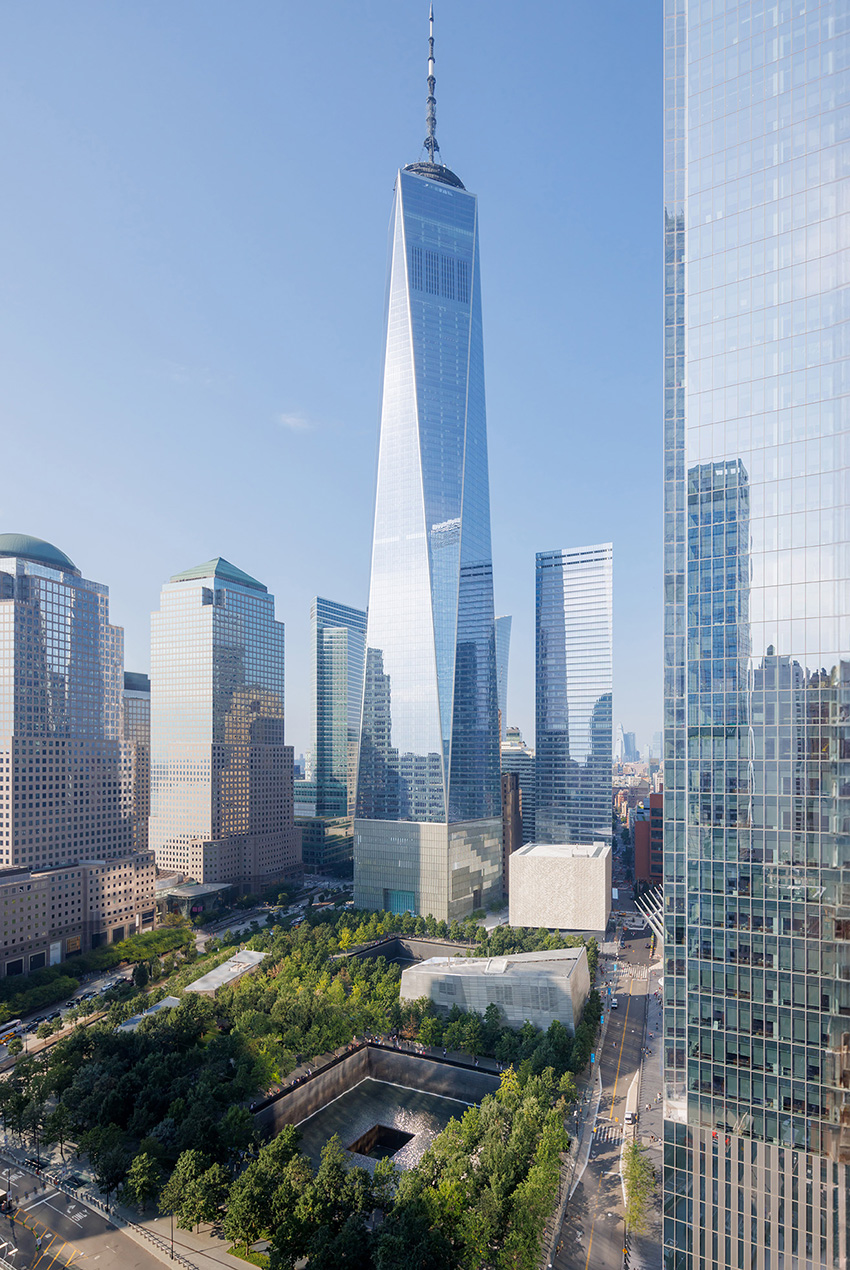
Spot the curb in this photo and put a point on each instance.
(111, 1215)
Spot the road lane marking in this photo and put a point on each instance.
(44, 1252)
(44, 1199)
(590, 1243)
(622, 1043)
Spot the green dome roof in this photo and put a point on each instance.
(37, 550)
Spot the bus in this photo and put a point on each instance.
(9, 1030)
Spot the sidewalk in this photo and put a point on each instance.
(646, 1249)
(191, 1251)
(580, 1128)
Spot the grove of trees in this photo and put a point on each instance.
(162, 1111)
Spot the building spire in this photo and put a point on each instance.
(431, 143)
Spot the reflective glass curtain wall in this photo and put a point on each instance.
(221, 775)
(574, 681)
(757, 634)
(429, 750)
(63, 767)
(338, 635)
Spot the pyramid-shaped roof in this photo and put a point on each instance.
(219, 568)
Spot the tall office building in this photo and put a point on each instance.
(221, 775)
(517, 759)
(69, 876)
(428, 829)
(337, 652)
(757, 657)
(503, 649)
(573, 695)
(137, 735)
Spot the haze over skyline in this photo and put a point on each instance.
(195, 259)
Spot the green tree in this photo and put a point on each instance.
(190, 1166)
(110, 1169)
(431, 1031)
(15, 1046)
(144, 1179)
(249, 1206)
(140, 975)
(57, 1128)
(639, 1179)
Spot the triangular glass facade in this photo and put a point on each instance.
(430, 739)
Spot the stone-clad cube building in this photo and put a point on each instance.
(538, 986)
(562, 886)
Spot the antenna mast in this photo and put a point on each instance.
(431, 143)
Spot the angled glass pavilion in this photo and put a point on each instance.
(428, 829)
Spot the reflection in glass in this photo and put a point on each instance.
(429, 752)
(757, 631)
(573, 695)
(221, 775)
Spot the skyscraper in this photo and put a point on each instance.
(137, 735)
(428, 829)
(337, 647)
(519, 760)
(66, 814)
(221, 775)
(337, 651)
(757, 641)
(573, 695)
(503, 649)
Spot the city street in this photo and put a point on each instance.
(50, 1228)
(592, 1233)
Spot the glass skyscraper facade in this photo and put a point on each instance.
(428, 829)
(137, 736)
(337, 657)
(574, 680)
(221, 775)
(757, 635)
(503, 650)
(337, 648)
(66, 777)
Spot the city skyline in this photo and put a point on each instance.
(179, 314)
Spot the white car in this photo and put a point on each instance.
(615, 1004)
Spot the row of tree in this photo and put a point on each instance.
(162, 1110)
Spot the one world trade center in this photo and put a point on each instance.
(428, 828)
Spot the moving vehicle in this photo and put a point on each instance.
(10, 1030)
(615, 1004)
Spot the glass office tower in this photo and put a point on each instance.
(66, 777)
(757, 636)
(221, 775)
(137, 736)
(503, 650)
(337, 655)
(573, 694)
(337, 646)
(428, 829)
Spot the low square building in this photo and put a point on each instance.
(537, 987)
(561, 886)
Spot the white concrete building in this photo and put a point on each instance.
(561, 886)
(538, 986)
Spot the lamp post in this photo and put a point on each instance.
(171, 1215)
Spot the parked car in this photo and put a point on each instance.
(615, 1004)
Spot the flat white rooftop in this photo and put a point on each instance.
(229, 970)
(564, 850)
(566, 959)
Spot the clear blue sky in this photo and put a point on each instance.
(194, 213)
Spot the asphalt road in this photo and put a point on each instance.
(50, 1229)
(592, 1234)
